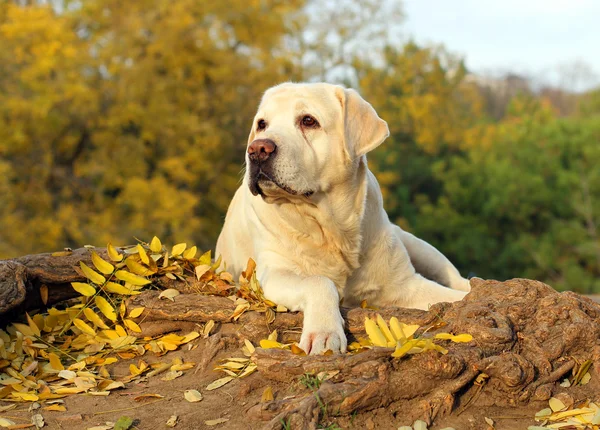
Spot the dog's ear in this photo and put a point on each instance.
(363, 129)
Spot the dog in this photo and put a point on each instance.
(310, 212)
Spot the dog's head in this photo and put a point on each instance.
(306, 138)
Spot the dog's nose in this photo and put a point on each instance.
(261, 149)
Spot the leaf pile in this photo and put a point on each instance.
(66, 351)
(402, 337)
(558, 415)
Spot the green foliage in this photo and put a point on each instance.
(121, 119)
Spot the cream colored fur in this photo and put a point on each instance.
(336, 244)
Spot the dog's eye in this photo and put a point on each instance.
(309, 121)
(261, 124)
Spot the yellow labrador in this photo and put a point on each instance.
(311, 214)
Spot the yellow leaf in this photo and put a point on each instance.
(113, 287)
(205, 258)
(216, 421)
(190, 253)
(396, 329)
(81, 325)
(296, 350)
(5, 422)
(94, 318)
(155, 245)
(56, 408)
(136, 312)
(137, 268)
(192, 396)
(556, 405)
(200, 270)
(385, 329)
(131, 278)
(113, 254)
(120, 330)
(24, 329)
(586, 378)
(219, 383)
(270, 344)
(459, 338)
(32, 325)
(122, 309)
(249, 345)
(273, 336)
(147, 396)
(106, 308)
(92, 275)
(84, 289)
(55, 362)
(374, 333)
(178, 249)
(402, 350)
(142, 254)
(44, 293)
(189, 337)
(102, 265)
(131, 325)
(267, 395)
(25, 396)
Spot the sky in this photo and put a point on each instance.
(544, 39)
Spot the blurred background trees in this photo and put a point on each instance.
(129, 119)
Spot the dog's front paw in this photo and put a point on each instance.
(323, 332)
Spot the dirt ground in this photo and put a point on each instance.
(232, 401)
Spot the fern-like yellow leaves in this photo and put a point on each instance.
(401, 337)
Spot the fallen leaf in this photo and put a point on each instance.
(113, 287)
(84, 289)
(216, 421)
(556, 405)
(91, 274)
(38, 420)
(155, 245)
(147, 396)
(170, 294)
(123, 275)
(142, 254)
(103, 266)
(131, 325)
(192, 396)
(207, 328)
(267, 395)
(201, 270)
(172, 421)
(108, 426)
(4, 422)
(106, 308)
(113, 254)
(123, 423)
(489, 421)
(586, 378)
(178, 249)
(84, 327)
(219, 383)
(190, 253)
(173, 374)
(44, 293)
(56, 408)
(136, 312)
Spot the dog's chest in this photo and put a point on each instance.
(331, 254)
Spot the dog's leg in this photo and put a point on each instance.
(317, 297)
(431, 263)
(420, 293)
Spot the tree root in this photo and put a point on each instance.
(526, 338)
